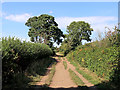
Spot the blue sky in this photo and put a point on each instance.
(97, 14)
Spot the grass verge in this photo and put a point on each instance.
(65, 64)
(63, 58)
(33, 74)
(89, 75)
(75, 78)
(60, 53)
(59, 58)
(51, 74)
(34, 79)
(38, 69)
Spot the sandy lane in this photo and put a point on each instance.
(61, 79)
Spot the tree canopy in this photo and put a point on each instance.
(44, 29)
(78, 31)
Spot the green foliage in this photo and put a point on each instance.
(89, 75)
(65, 64)
(59, 58)
(44, 29)
(19, 80)
(78, 31)
(31, 75)
(17, 55)
(99, 60)
(65, 48)
(113, 38)
(116, 76)
(51, 74)
(101, 57)
(39, 67)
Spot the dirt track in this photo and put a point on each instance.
(62, 77)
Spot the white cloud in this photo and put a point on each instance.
(96, 22)
(25, 39)
(50, 11)
(18, 18)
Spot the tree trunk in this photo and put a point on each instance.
(44, 38)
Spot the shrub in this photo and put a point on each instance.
(101, 57)
(99, 60)
(17, 55)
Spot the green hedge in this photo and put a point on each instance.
(102, 61)
(17, 55)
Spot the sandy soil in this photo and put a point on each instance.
(62, 78)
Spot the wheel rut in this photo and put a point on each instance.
(61, 77)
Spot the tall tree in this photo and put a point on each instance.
(78, 31)
(44, 29)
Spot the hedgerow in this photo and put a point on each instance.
(18, 55)
(101, 57)
(99, 60)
